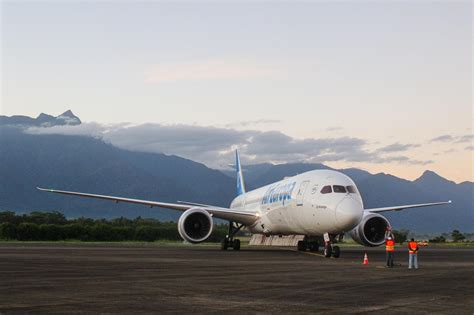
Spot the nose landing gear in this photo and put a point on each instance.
(329, 248)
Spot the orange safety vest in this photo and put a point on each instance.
(390, 245)
(412, 247)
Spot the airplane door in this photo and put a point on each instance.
(300, 194)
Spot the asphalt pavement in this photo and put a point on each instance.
(113, 279)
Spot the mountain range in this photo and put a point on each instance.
(43, 120)
(88, 164)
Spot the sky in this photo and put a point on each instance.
(384, 86)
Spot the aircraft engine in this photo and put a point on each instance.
(195, 225)
(371, 230)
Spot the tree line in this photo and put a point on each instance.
(456, 236)
(54, 226)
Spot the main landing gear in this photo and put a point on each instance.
(308, 244)
(330, 250)
(229, 240)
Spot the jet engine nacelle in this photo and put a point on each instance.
(195, 225)
(371, 230)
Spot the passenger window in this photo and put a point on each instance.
(326, 190)
(351, 189)
(339, 189)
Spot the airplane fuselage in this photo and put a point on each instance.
(312, 203)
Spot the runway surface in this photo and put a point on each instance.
(78, 278)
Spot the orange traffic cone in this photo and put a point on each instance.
(366, 259)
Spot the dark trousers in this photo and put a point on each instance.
(390, 259)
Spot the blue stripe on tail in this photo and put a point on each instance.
(240, 177)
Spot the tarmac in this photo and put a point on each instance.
(113, 279)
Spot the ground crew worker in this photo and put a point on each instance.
(389, 248)
(412, 254)
(389, 233)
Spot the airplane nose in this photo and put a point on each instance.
(348, 213)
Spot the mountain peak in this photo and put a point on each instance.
(68, 118)
(68, 113)
(44, 117)
(430, 177)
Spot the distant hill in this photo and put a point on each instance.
(90, 165)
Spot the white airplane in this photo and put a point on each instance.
(314, 204)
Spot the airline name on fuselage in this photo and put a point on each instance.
(278, 193)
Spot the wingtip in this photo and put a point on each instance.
(44, 189)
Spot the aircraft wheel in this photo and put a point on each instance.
(301, 246)
(314, 246)
(336, 252)
(224, 244)
(327, 251)
(236, 245)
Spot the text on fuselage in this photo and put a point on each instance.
(278, 193)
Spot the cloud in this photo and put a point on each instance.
(335, 128)
(214, 146)
(449, 151)
(250, 123)
(470, 148)
(274, 146)
(397, 147)
(418, 162)
(208, 70)
(84, 129)
(454, 139)
(443, 138)
(465, 138)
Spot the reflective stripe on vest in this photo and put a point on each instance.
(389, 245)
(412, 247)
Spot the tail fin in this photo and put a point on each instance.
(240, 176)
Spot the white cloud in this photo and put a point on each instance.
(213, 146)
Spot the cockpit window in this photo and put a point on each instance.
(339, 189)
(326, 190)
(351, 189)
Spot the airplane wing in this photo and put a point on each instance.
(244, 217)
(197, 204)
(398, 208)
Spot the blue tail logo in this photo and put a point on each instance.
(240, 176)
